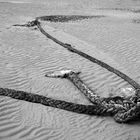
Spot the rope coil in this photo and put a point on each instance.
(122, 109)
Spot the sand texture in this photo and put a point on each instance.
(26, 55)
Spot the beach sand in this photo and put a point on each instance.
(26, 56)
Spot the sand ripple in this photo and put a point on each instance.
(24, 67)
(26, 56)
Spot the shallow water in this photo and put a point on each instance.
(26, 56)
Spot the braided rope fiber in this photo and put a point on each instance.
(122, 109)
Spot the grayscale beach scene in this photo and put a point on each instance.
(69, 69)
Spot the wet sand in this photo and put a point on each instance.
(27, 55)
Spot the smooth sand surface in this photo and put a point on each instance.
(26, 56)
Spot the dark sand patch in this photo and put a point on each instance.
(137, 21)
(121, 9)
(67, 18)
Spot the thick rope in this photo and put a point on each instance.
(40, 99)
(131, 104)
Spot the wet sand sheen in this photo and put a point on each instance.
(23, 67)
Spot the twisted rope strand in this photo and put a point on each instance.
(40, 99)
(123, 109)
